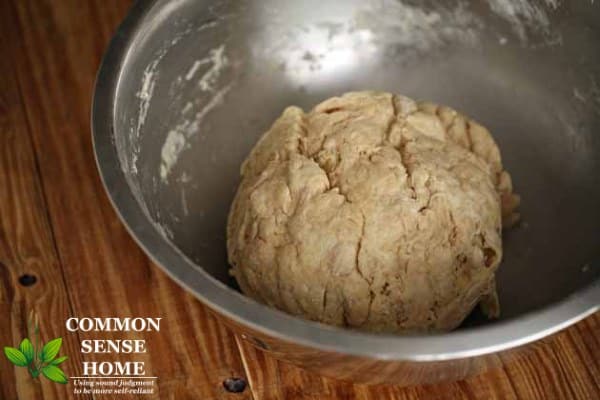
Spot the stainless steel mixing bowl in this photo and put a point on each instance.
(188, 86)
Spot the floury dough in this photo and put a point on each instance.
(372, 211)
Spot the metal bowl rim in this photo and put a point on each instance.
(471, 342)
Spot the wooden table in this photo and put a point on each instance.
(57, 227)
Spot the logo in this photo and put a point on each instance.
(36, 358)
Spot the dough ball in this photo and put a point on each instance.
(372, 211)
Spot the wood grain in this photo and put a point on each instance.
(56, 223)
(26, 241)
(106, 274)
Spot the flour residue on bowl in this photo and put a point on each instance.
(214, 64)
(218, 60)
(407, 27)
(526, 16)
(176, 140)
(590, 95)
(174, 144)
(330, 48)
(149, 77)
(146, 93)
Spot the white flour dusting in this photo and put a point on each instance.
(216, 100)
(412, 27)
(589, 96)
(184, 205)
(526, 15)
(187, 108)
(176, 139)
(216, 57)
(173, 146)
(197, 64)
(149, 78)
(146, 92)
(578, 95)
(148, 81)
(185, 177)
(329, 49)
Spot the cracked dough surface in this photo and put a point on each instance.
(372, 211)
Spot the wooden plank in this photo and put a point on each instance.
(26, 243)
(106, 274)
(546, 373)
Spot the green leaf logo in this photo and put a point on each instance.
(58, 360)
(36, 360)
(50, 350)
(27, 349)
(15, 356)
(54, 373)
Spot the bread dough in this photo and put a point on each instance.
(372, 211)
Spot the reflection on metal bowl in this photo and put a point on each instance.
(187, 87)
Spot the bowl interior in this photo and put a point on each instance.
(202, 80)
